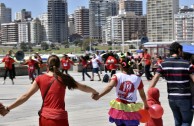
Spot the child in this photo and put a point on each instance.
(153, 98)
(124, 109)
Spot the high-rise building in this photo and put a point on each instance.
(160, 23)
(5, 14)
(24, 32)
(44, 24)
(131, 6)
(134, 27)
(184, 27)
(81, 16)
(35, 31)
(9, 33)
(57, 21)
(98, 11)
(71, 24)
(23, 15)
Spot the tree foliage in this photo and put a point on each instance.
(44, 46)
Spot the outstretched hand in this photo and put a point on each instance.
(3, 110)
(96, 96)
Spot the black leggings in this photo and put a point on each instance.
(66, 71)
(10, 73)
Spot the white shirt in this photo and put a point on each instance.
(95, 63)
(127, 86)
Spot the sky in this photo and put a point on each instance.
(38, 7)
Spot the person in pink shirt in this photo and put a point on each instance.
(54, 84)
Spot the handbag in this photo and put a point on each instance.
(44, 96)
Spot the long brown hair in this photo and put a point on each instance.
(53, 63)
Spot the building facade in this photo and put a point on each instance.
(23, 15)
(44, 26)
(9, 33)
(184, 27)
(71, 24)
(160, 23)
(5, 14)
(81, 16)
(98, 11)
(57, 21)
(135, 27)
(24, 32)
(131, 6)
(35, 32)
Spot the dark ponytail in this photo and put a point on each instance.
(66, 80)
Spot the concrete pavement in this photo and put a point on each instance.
(82, 110)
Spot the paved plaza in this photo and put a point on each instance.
(82, 110)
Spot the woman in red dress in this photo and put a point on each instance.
(53, 112)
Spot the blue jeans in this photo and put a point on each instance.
(182, 113)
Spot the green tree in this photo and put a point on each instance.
(86, 43)
(24, 46)
(44, 46)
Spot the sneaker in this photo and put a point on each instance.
(12, 82)
(3, 82)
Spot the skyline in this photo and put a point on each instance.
(41, 5)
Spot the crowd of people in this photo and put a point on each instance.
(124, 109)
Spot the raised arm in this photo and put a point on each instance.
(23, 98)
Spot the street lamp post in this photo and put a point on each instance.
(122, 33)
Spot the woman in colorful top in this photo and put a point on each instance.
(124, 109)
(53, 110)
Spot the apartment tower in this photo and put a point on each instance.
(81, 18)
(98, 11)
(131, 6)
(160, 21)
(57, 21)
(5, 14)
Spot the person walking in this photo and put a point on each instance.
(95, 67)
(177, 73)
(100, 59)
(84, 64)
(147, 62)
(52, 86)
(124, 109)
(8, 60)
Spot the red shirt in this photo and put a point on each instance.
(84, 63)
(31, 64)
(8, 62)
(54, 104)
(66, 63)
(111, 63)
(147, 59)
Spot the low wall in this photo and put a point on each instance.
(23, 70)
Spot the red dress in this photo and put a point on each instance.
(53, 111)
